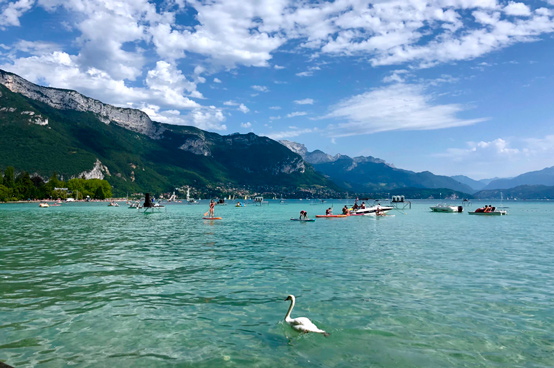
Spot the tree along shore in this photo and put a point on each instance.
(23, 187)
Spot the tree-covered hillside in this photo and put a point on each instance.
(40, 139)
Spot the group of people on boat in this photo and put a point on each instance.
(355, 206)
(486, 209)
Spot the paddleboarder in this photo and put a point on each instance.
(212, 205)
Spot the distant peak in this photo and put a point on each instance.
(298, 148)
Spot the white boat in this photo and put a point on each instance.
(371, 210)
(491, 213)
(443, 207)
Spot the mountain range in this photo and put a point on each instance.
(46, 130)
(49, 130)
(370, 175)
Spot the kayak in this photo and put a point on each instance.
(306, 220)
(211, 218)
(330, 216)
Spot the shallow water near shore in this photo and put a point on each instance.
(89, 285)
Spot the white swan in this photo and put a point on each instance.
(301, 324)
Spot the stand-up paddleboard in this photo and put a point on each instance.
(303, 220)
(211, 218)
(330, 216)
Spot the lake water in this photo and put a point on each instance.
(94, 286)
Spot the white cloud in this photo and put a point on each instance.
(217, 80)
(294, 132)
(229, 33)
(275, 107)
(296, 113)
(394, 107)
(246, 125)
(517, 9)
(243, 108)
(12, 11)
(209, 118)
(278, 67)
(260, 88)
(503, 157)
(305, 74)
(396, 76)
(169, 83)
(306, 101)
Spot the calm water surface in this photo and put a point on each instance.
(93, 286)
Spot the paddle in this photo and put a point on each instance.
(206, 214)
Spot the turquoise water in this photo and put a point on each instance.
(94, 286)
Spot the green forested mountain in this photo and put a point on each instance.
(374, 175)
(42, 139)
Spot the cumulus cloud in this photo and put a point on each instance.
(170, 84)
(306, 101)
(517, 9)
(12, 11)
(394, 107)
(243, 108)
(230, 33)
(246, 125)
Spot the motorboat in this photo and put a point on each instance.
(371, 210)
(44, 205)
(494, 212)
(443, 207)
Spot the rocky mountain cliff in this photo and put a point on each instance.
(46, 130)
(63, 99)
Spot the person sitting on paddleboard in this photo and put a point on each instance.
(212, 205)
(329, 211)
(303, 215)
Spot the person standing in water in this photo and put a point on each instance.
(212, 205)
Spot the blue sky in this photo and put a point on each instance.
(450, 86)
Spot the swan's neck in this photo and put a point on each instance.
(290, 309)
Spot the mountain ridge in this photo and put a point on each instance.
(52, 130)
(537, 177)
(371, 174)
